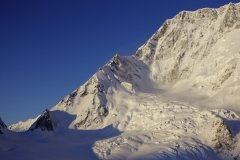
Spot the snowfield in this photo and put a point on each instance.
(176, 98)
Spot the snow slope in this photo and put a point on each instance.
(175, 98)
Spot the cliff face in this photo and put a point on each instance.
(186, 41)
(222, 138)
(198, 50)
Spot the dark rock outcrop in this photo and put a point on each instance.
(2, 126)
(44, 122)
(222, 139)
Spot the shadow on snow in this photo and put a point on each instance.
(62, 143)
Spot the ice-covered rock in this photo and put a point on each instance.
(222, 138)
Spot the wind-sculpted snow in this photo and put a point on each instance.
(177, 97)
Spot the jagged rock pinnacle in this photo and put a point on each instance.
(44, 122)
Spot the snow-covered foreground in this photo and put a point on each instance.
(175, 98)
(148, 128)
(62, 143)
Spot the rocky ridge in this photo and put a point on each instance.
(222, 138)
(123, 71)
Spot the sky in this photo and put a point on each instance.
(48, 48)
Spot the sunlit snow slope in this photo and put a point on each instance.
(175, 98)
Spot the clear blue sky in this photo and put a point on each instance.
(48, 48)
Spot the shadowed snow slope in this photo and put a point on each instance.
(175, 98)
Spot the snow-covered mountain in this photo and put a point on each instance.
(175, 98)
(198, 52)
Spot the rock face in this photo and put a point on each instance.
(187, 40)
(200, 51)
(222, 139)
(44, 122)
(2, 126)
